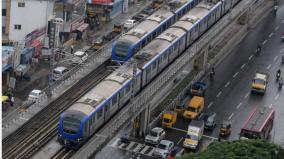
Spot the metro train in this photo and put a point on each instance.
(130, 43)
(92, 110)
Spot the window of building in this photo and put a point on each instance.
(21, 4)
(18, 27)
(3, 12)
(3, 29)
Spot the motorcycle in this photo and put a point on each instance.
(280, 84)
(282, 38)
(212, 73)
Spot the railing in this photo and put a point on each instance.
(131, 111)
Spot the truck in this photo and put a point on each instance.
(259, 83)
(169, 119)
(194, 107)
(194, 134)
(259, 124)
(198, 89)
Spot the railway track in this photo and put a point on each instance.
(63, 153)
(35, 133)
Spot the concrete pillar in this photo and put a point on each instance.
(144, 120)
(205, 58)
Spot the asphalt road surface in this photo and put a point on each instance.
(229, 94)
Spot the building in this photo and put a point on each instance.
(23, 17)
(7, 65)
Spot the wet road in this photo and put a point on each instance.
(229, 95)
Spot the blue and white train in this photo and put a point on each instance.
(126, 46)
(96, 107)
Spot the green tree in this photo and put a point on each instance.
(241, 149)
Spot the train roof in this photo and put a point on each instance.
(258, 118)
(147, 26)
(92, 100)
(194, 15)
(157, 46)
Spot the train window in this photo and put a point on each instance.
(107, 107)
(114, 100)
(148, 70)
(154, 65)
(128, 88)
(100, 114)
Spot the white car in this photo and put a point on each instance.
(163, 149)
(34, 95)
(79, 57)
(155, 136)
(129, 24)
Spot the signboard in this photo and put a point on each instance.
(52, 29)
(35, 60)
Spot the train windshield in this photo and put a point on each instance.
(249, 134)
(71, 125)
(121, 48)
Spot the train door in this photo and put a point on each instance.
(107, 111)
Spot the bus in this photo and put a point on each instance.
(259, 124)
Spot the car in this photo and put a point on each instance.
(59, 72)
(210, 121)
(130, 23)
(163, 149)
(79, 57)
(34, 95)
(155, 136)
(148, 11)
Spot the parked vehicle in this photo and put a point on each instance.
(130, 23)
(79, 57)
(169, 119)
(259, 124)
(163, 149)
(210, 121)
(259, 83)
(198, 89)
(225, 129)
(59, 72)
(194, 108)
(148, 11)
(155, 136)
(194, 134)
(35, 95)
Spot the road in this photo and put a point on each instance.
(229, 94)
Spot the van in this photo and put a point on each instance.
(79, 57)
(59, 72)
(194, 108)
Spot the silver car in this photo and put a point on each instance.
(155, 136)
(163, 149)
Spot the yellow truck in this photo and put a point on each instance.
(169, 119)
(194, 108)
(259, 83)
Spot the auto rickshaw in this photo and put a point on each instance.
(225, 129)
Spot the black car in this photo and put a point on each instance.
(210, 121)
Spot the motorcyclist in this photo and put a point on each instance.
(212, 73)
(280, 82)
(282, 58)
(258, 49)
(278, 74)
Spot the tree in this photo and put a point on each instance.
(241, 149)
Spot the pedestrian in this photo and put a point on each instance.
(72, 49)
(12, 101)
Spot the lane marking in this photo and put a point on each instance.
(227, 84)
(219, 94)
(179, 140)
(210, 104)
(200, 116)
(268, 67)
(275, 58)
(243, 66)
(250, 57)
(235, 75)
(276, 28)
(270, 106)
(230, 117)
(282, 50)
(239, 105)
(282, 21)
(247, 95)
(277, 96)
(271, 34)
(264, 42)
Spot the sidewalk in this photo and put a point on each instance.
(39, 78)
